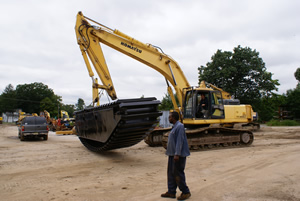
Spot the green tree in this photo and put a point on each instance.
(8, 99)
(166, 103)
(33, 98)
(241, 73)
(69, 108)
(293, 101)
(293, 97)
(31, 95)
(80, 104)
(297, 74)
(47, 104)
(267, 106)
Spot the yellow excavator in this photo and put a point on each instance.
(22, 115)
(126, 122)
(62, 126)
(207, 121)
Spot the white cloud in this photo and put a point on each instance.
(38, 41)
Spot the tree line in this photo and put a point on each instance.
(35, 98)
(243, 74)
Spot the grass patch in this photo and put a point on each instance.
(283, 123)
(8, 124)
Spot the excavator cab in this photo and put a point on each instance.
(203, 104)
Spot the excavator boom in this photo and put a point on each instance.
(90, 37)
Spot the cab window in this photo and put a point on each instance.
(217, 105)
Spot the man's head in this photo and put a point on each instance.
(173, 117)
(202, 96)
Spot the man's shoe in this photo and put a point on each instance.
(168, 195)
(184, 196)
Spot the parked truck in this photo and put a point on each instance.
(33, 126)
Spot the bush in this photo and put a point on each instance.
(283, 123)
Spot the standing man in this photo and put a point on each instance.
(177, 150)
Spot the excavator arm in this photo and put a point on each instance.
(89, 39)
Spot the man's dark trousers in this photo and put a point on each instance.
(176, 176)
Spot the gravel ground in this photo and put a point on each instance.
(63, 169)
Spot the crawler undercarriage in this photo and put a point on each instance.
(205, 138)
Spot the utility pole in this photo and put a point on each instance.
(57, 110)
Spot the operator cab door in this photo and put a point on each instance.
(211, 106)
(217, 107)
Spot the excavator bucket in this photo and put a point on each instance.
(117, 125)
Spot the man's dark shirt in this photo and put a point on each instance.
(205, 102)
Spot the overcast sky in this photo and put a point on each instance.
(38, 42)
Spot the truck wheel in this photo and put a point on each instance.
(45, 137)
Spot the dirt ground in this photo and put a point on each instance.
(63, 169)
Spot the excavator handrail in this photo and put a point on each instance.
(225, 94)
